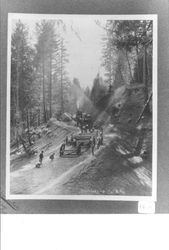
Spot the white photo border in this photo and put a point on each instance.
(153, 197)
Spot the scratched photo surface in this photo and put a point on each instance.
(81, 105)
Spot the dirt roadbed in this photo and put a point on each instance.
(108, 172)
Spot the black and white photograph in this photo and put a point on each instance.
(82, 107)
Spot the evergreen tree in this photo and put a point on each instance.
(62, 82)
(98, 90)
(135, 36)
(46, 47)
(109, 58)
(22, 75)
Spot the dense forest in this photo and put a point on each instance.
(41, 88)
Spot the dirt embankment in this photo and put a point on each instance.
(113, 171)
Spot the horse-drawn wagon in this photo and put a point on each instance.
(70, 150)
(76, 144)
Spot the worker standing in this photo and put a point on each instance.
(71, 138)
(101, 136)
(93, 145)
(98, 141)
(62, 148)
(67, 140)
(94, 140)
(41, 157)
(63, 145)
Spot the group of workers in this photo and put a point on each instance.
(41, 156)
(95, 142)
(70, 140)
(85, 129)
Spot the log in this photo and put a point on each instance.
(144, 108)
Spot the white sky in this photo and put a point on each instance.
(84, 53)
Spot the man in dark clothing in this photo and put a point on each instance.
(101, 139)
(98, 141)
(41, 157)
(67, 140)
(71, 138)
(52, 156)
(94, 140)
(93, 146)
(101, 136)
(62, 148)
(63, 145)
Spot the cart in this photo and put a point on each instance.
(70, 150)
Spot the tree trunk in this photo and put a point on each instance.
(121, 75)
(129, 67)
(17, 83)
(17, 96)
(138, 71)
(61, 81)
(145, 82)
(43, 79)
(28, 127)
(146, 107)
(28, 119)
(50, 86)
(148, 71)
(23, 144)
(38, 118)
